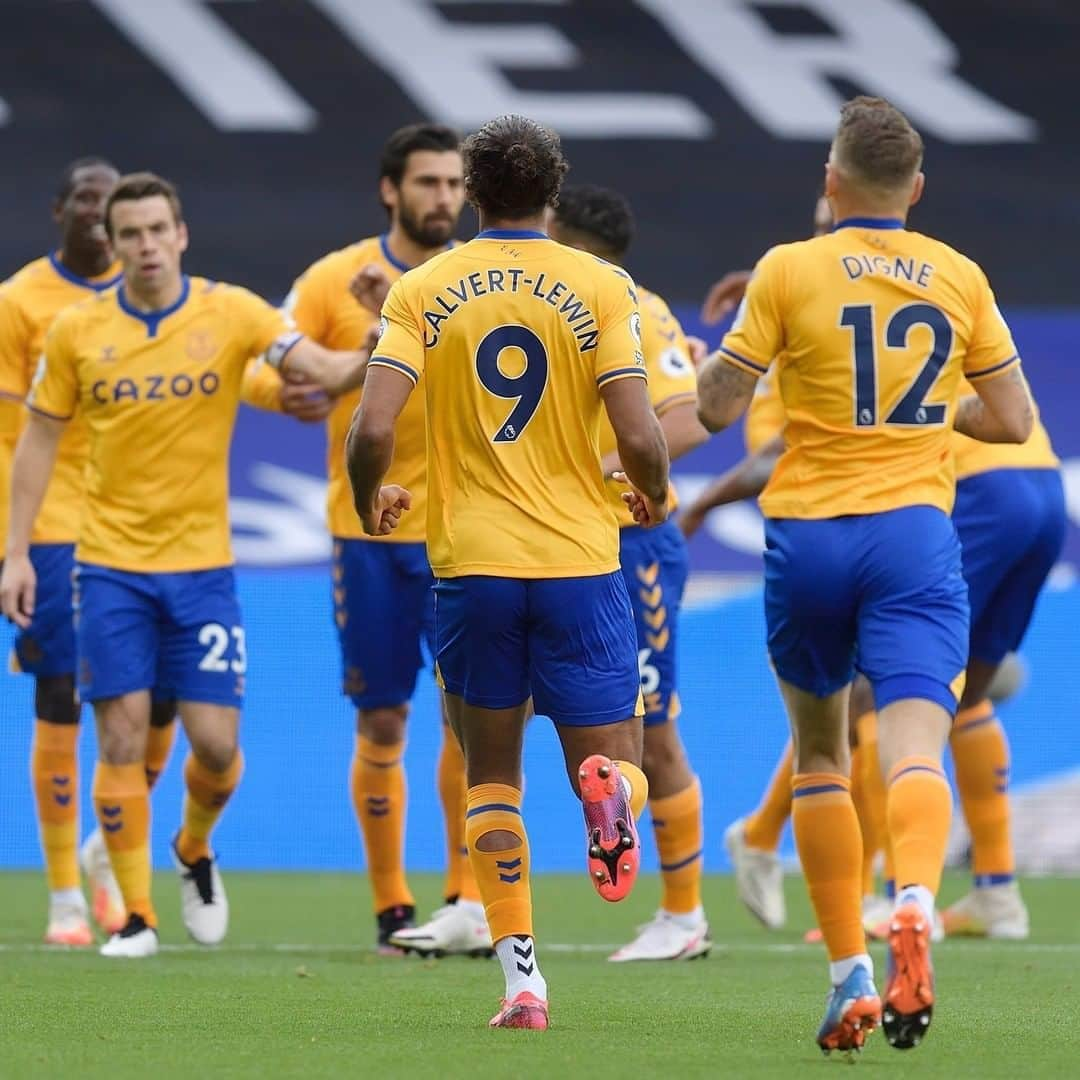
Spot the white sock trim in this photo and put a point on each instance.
(517, 954)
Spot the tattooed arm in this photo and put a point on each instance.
(724, 393)
(1003, 411)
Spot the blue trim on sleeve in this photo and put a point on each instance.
(869, 223)
(743, 360)
(619, 373)
(50, 415)
(993, 368)
(396, 365)
(512, 234)
(152, 319)
(75, 279)
(493, 807)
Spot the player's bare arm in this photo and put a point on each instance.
(369, 447)
(724, 393)
(641, 446)
(1002, 411)
(682, 433)
(35, 456)
(336, 372)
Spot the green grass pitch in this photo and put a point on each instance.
(297, 992)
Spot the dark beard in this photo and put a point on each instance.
(434, 234)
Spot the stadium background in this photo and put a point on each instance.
(713, 117)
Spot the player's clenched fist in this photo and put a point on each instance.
(645, 511)
(18, 586)
(390, 503)
(369, 287)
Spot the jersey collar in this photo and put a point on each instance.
(869, 223)
(152, 319)
(392, 259)
(97, 284)
(512, 234)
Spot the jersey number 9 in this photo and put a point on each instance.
(527, 388)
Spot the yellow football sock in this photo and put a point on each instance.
(639, 787)
(54, 773)
(919, 809)
(460, 880)
(207, 794)
(502, 876)
(829, 843)
(981, 753)
(764, 826)
(379, 799)
(873, 794)
(159, 744)
(122, 802)
(677, 825)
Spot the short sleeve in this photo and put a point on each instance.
(401, 341)
(306, 305)
(618, 348)
(991, 351)
(672, 379)
(54, 391)
(261, 323)
(261, 387)
(14, 370)
(757, 334)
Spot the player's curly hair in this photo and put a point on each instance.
(514, 167)
(876, 145)
(599, 213)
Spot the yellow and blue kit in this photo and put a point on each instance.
(655, 562)
(29, 302)
(873, 327)
(370, 573)
(511, 338)
(158, 393)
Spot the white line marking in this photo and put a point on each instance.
(767, 948)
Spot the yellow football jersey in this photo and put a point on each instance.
(873, 326)
(514, 335)
(159, 393)
(323, 308)
(29, 301)
(765, 418)
(973, 456)
(672, 381)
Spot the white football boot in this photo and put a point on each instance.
(759, 877)
(134, 942)
(454, 930)
(106, 901)
(991, 911)
(668, 937)
(203, 903)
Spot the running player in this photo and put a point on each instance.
(655, 566)
(859, 546)
(154, 367)
(388, 579)
(29, 301)
(519, 342)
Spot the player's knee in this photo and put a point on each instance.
(55, 700)
(384, 726)
(662, 752)
(216, 752)
(822, 751)
(162, 713)
(862, 698)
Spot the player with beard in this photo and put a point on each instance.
(383, 601)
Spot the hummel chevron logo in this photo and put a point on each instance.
(511, 864)
(526, 969)
(526, 953)
(111, 811)
(61, 800)
(378, 805)
(61, 781)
